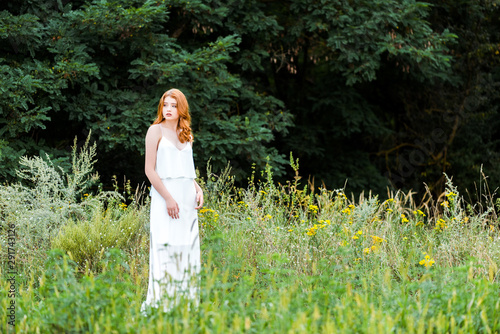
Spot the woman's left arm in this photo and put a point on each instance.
(199, 196)
(199, 192)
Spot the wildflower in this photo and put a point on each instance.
(420, 223)
(366, 250)
(404, 219)
(355, 237)
(341, 195)
(389, 210)
(328, 222)
(359, 232)
(313, 208)
(445, 204)
(451, 196)
(277, 228)
(377, 240)
(346, 210)
(290, 230)
(419, 212)
(440, 225)
(311, 231)
(427, 261)
(466, 219)
(268, 216)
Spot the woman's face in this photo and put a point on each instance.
(170, 112)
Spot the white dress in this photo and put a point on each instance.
(174, 254)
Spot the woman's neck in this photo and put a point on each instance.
(170, 125)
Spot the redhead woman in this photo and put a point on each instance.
(174, 255)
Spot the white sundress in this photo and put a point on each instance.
(174, 253)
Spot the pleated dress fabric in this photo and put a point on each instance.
(174, 255)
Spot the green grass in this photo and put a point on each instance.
(276, 259)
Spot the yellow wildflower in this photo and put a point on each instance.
(419, 212)
(377, 240)
(440, 225)
(451, 196)
(427, 261)
(313, 208)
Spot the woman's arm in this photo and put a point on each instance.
(199, 196)
(152, 138)
(199, 192)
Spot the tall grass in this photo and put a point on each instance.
(278, 258)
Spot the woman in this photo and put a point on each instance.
(174, 258)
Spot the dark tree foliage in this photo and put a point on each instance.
(379, 92)
(69, 68)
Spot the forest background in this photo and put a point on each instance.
(378, 92)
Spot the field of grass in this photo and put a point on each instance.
(277, 258)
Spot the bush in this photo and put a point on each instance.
(115, 227)
(47, 198)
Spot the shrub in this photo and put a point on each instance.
(115, 227)
(47, 198)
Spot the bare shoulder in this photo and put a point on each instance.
(154, 134)
(154, 131)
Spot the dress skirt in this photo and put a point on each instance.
(174, 254)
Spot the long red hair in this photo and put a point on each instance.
(184, 123)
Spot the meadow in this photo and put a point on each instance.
(277, 258)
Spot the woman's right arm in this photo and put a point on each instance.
(152, 139)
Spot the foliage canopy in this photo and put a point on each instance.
(377, 92)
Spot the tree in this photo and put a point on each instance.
(103, 65)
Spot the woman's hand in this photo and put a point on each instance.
(199, 199)
(172, 208)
